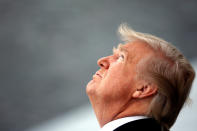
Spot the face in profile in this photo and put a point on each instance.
(112, 76)
(114, 83)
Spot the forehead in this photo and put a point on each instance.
(138, 46)
(121, 48)
(138, 49)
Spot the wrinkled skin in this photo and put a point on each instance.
(113, 86)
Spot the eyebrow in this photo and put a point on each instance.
(121, 48)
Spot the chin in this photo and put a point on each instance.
(91, 87)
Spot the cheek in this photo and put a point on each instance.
(115, 91)
(117, 86)
(116, 69)
(119, 73)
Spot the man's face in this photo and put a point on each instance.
(114, 83)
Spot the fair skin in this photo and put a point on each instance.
(114, 92)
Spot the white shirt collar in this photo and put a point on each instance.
(116, 123)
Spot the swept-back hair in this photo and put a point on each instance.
(170, 71)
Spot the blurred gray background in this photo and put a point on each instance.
(49, 49)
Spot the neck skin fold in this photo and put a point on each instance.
(113, 112)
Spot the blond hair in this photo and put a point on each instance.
(172, 73)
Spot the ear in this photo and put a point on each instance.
(144, 90)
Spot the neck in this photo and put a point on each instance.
(137, 108)
(112, 112)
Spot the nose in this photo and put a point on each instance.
(103, 62)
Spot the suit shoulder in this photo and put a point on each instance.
(148, 124)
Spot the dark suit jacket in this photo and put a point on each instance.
(148, 124)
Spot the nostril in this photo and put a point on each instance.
(104, 65)
(101, 65)
(103, 62)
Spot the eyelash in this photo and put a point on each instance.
(120, 56)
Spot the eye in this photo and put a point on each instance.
(121, 57)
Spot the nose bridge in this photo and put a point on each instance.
(103, 62)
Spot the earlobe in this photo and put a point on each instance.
(145, 91)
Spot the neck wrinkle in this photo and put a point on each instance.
(117, 116)
(133, 108)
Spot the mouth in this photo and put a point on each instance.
(98, 75)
